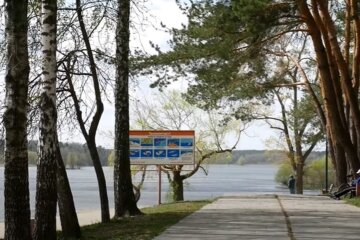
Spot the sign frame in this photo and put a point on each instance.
(162, 147)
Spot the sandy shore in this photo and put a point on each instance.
(85, 218)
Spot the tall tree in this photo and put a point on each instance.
(339, 77)
(17, 206)
(89, 134)
(125, 202)
(300, 119)
(226, 43)
(46, 191)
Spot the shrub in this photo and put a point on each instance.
(283, 173)
(314, 174)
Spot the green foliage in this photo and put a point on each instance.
(243, 157)
(283, 173)
(110, 160)
(82, 153)
(74, 154)
(221, 158)
(214, 48)
(353, 201)
(230, 49)
(314, 174)
(263, 18)
(305, 116)
(72, 161)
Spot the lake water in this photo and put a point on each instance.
(221, 180)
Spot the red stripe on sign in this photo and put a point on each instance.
(162, 133)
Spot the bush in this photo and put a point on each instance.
(283, 173)
(314, 174)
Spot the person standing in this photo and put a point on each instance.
(291, 184)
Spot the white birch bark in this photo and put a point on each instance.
(46, 192)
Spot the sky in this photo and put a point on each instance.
(167, 12)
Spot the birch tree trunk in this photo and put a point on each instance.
(46, 192)
(125, 202)
(16, 192)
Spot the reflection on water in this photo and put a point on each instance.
(221, 179)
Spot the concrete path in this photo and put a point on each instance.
(262, 217)
(269, 217)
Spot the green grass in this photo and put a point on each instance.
(353, 201)
(154, 221)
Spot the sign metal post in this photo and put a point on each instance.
(159, 185)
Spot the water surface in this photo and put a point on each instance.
(221, 180)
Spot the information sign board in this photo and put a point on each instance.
(162, 147)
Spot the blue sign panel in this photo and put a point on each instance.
(160, 153)
(173, 153)
(160, 142)
(161, 147)
(187, 142)
(146, 153)
(134, 153)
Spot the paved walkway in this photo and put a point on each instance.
(269, 217)
(262, 217)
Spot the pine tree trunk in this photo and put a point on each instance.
(341, 166)
(330, 85)
(46, 191)
(177, 186)
(16, 191)
(125, 202)
(68, 217)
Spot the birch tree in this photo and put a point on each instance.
(46, 191)
(16, 192)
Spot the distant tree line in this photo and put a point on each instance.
(242, 157)
(75, 155)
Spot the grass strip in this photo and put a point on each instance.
(353, 201)
(154, 221)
